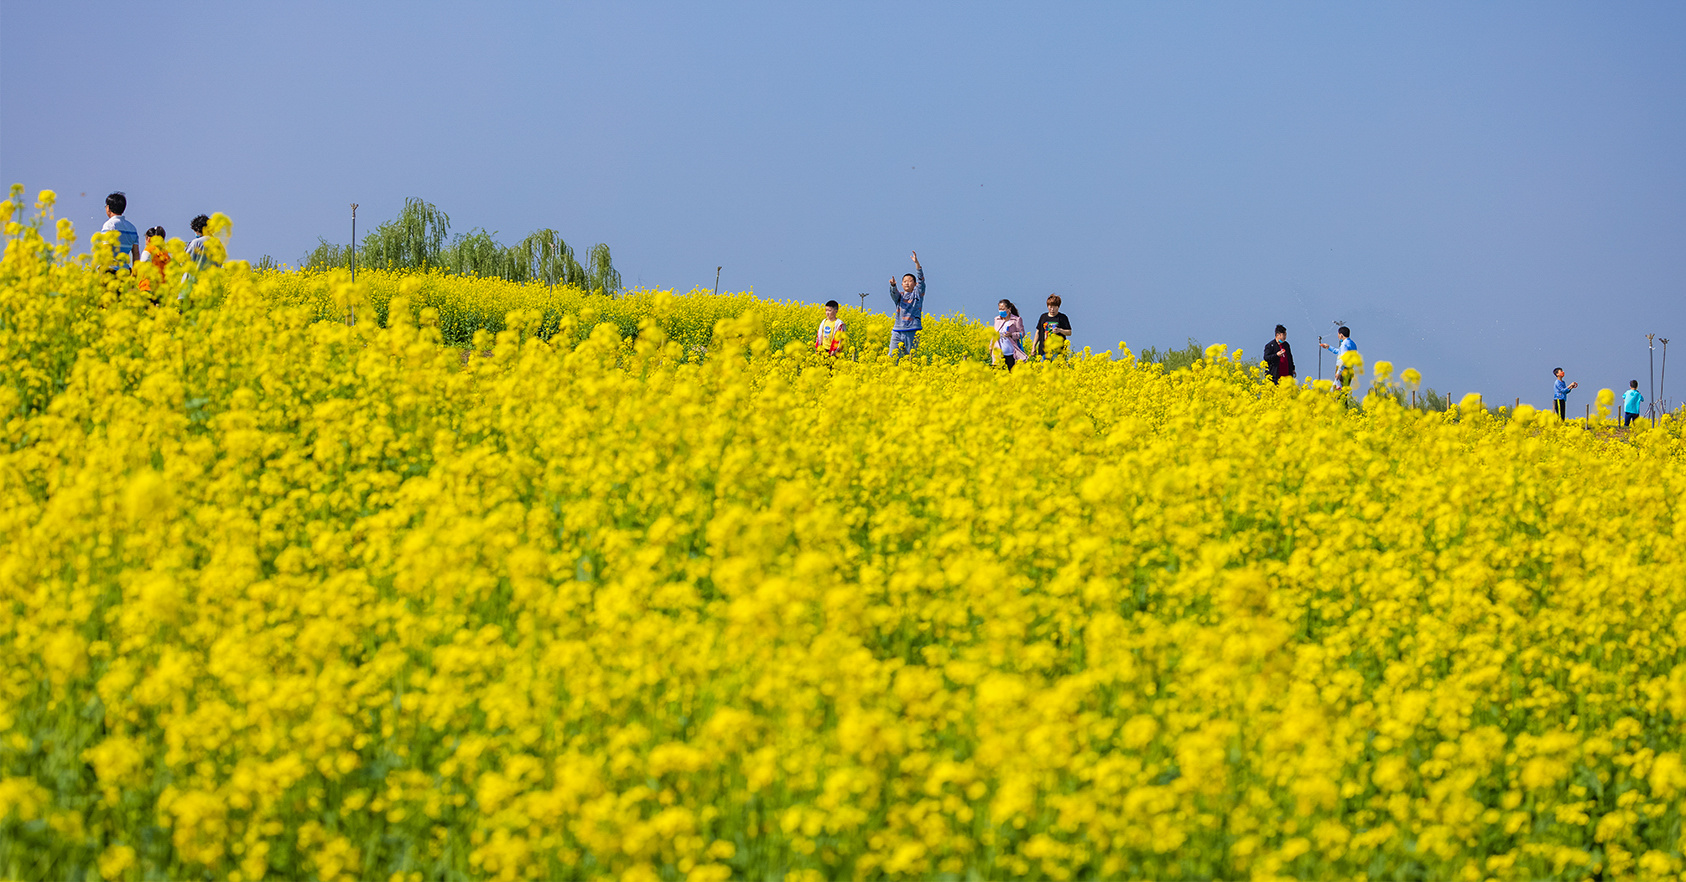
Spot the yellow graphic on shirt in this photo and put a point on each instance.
(832, 334)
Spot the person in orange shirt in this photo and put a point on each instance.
(159, 258)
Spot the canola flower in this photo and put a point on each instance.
(292, 597)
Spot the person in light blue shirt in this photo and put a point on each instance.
(1560, 393)
(200, 254)
(128, 238)
(196, 249)
(1343, 372)
(910, 307)
(1631, 400)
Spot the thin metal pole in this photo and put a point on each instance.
(350, 310)
(1651, 351)
(1662, 383)
(1319, 356)
(717, 280)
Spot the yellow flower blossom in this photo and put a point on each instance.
(426, 576)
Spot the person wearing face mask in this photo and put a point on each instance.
(1009, 330)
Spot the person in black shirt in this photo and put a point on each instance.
(1278, 358)
(1053, 330)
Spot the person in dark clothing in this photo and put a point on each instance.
(1053, 330)
(1278, 357)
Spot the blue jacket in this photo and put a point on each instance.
(1630, 400)
(1560, 389)
(909, 307)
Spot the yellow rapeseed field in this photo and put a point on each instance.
(294, 587)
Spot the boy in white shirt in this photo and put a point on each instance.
(829, 337)
(128, 238)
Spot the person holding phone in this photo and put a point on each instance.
(1278, 357)
(1343, 345)
(1560, 394)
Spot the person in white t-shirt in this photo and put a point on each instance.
(128, 238)
(196, 249)
(829, 338)
(1009, 333)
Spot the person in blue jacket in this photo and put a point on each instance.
(1560, 393)
(910, 307)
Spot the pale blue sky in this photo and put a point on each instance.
(1483, 191)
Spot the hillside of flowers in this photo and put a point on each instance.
(430, 577)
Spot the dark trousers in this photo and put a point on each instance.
(1009, 360)
(1628, 417)
(1562, 408)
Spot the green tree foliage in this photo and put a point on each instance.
(604, 278)
(544, 257)
(1173, 359)
(419, 238)
(327, 255)
(412, 240)
(477, 254)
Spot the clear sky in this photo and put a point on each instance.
(1482, 191)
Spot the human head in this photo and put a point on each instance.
(1557, 372)
(1633, 384)
(1053, 304)
(1007, 305)
(908, 282)
(1281, 332)
(1344, 331)
(831, 309)
(198, 224)
(155, 231)
(116, 203)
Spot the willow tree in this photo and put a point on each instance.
(544, 257)
(477, 254)
(327, 255)
(416, 239)
(603, 278)
(412, 240)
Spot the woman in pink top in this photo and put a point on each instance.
(1009, 330)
